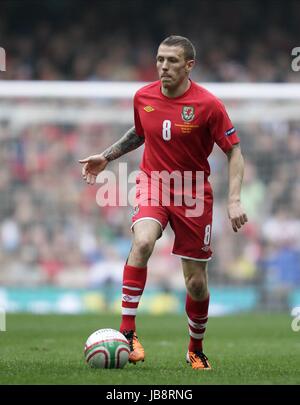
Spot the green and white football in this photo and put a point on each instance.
(106, 348)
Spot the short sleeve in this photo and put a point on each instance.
(137, 121)
(221, 128)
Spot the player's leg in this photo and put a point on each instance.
(192, 244)
(197, 302)
(149, 220)
(145, 234)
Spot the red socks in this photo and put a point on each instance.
(134, 280)
(197, 312)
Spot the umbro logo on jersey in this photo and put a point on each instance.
(148, 108)
(205, 248)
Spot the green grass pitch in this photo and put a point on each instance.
(242, 349)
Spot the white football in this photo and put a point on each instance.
(106, 348)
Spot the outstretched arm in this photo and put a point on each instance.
(127, 143)
(236, 212)
(95, 164)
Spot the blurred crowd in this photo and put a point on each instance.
(243, 41)
(52, 231)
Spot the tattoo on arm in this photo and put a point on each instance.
(127, 143)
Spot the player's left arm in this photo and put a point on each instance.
(236, 213)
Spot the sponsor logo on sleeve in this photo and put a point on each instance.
(230, 131)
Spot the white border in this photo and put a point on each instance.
(126, 90)
(192, 258)
(141, 219)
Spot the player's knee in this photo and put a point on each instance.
(197, 288)
(143, 246)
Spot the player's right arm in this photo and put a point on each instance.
(94, 164)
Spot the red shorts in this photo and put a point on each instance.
(192, 233)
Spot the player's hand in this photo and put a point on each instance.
(92, 166)
(236, 215)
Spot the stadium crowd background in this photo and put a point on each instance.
(51, 229)
(113, 40)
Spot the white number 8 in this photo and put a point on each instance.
(166, 130)
(207, 235)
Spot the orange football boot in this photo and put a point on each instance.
(137, 352)
(198, 360)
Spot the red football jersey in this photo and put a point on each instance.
(180, 132)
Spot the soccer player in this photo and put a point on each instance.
(179, 122)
